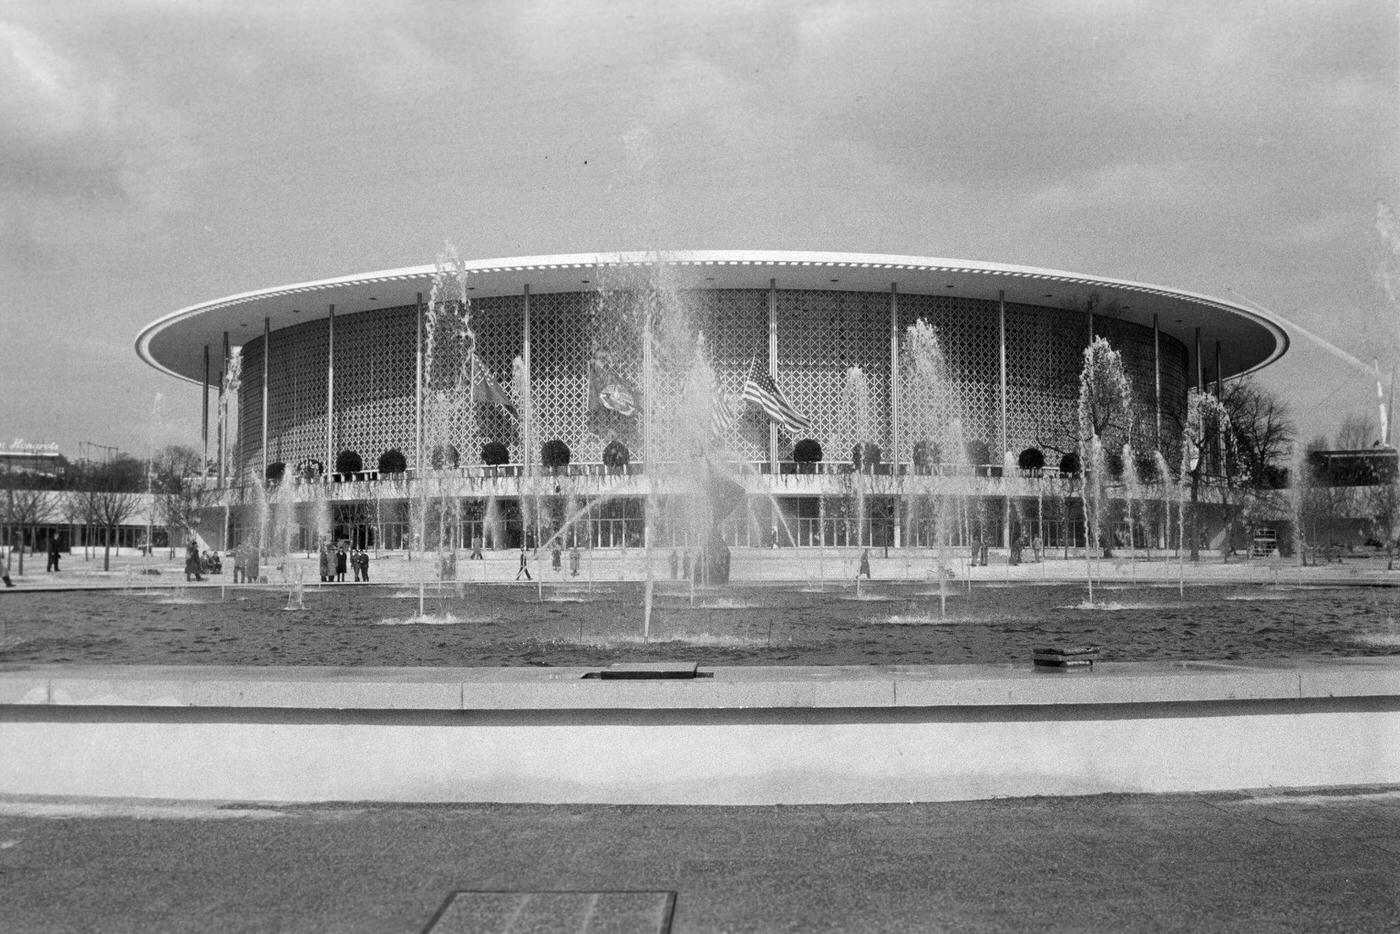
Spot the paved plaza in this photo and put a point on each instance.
(1269, 860)
(831, 566)
(1295, 860)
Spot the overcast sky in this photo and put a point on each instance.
(158, 154)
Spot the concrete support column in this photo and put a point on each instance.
(418, 389)
(648, 451)
(1001, 347)
(223, 412)
(894, 407)
(527, 390)
(1157, 384)
(773, 369)
(204, 421)
(267, 352)
(1200, 365)
(330, 391)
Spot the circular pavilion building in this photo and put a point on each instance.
(588, 378)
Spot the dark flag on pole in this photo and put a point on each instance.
(486, 389)
(610, 391)
(761, 390)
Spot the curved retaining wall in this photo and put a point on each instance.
(734, 736)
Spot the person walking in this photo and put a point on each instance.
(864, 569)
(524, 565)
(573, 561)
(476, 549)
(53, 553)
(5, 552)
(327, 564)
(355, 563)
(364, 565)
(192, 562)
(340, 564)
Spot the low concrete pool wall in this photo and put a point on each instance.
(733, 736)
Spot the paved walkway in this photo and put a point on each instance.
(1265, 861)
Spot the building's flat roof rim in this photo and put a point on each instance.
(866, 263)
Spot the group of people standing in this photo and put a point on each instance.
(335, 560)
(556, 561)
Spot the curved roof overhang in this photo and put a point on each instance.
(1251, 338)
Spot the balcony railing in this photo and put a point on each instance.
(668, 468)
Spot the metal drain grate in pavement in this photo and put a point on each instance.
(548, 912)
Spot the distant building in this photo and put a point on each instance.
(1360, 467)
(38, 460)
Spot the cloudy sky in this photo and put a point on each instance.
(154, 154)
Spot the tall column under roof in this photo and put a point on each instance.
(1157, 384)
(773, 370)
(1200, 365)
(1001, 346)
(223, 409)
(204, 421)
(330, 390)
(418, 389)
(526, 402)
(267, 352)
(894, 399)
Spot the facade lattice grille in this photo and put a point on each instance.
(821, 336)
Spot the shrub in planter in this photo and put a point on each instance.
(444, 456)
(616, 455)
(348, 461)
(865, 456)
(1031, 459)
(926, 454)
(554, 453)
(1146, 466)
(393, 461)
(276, 471)
(310, 469)
(494, 454)
(1113, 461)
(807, 451)
(1070, 464)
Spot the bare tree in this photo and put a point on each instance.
(1382, 505)
(182, 493)
(25, 509)
(1356, 432)
(106, 499)
(1253, 474)
(1319, 502)
(71, 507)
(1264, 431)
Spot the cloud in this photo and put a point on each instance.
(76, 131)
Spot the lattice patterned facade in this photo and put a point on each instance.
(821, 335)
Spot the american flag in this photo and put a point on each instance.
(761, 390)
(722, 414)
